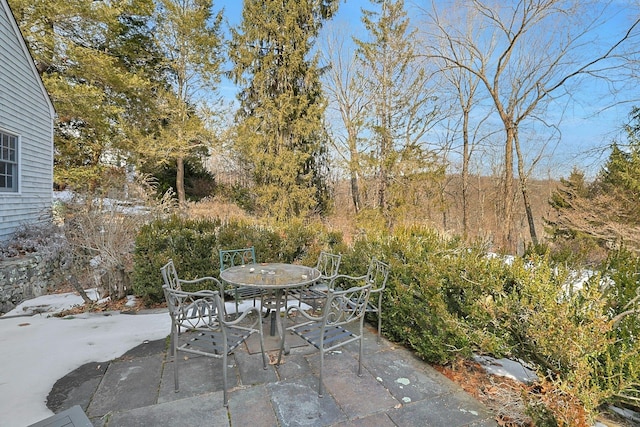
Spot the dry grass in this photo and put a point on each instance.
(217, 208)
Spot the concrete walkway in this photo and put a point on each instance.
(396, 389)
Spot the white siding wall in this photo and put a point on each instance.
(26, 111)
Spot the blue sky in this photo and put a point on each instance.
(585, 129)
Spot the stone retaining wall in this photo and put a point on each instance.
(25, 278)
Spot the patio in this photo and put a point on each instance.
(396, 389)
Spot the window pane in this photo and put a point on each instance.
(3, 175)
(8, 163)
(12, 148)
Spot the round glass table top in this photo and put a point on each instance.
(270, 275)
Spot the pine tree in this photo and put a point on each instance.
(190, 38)
(604, 211)
(403, 108)
(280, 138)
(620, 177)
(85, 52)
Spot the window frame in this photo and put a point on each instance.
(13, 163)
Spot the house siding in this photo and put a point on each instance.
(26, 111)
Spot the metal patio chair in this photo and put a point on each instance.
(328, 332)
(328, 265)
(198, 326)
(171, 279)
(231, 258)
(377, 275)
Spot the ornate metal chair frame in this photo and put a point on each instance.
(231, 258)
(198, 326)
(328, 264)
(327, 332)
(377, 275)
(171, 279)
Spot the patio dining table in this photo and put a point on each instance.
(274, 278)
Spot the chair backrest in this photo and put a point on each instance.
(170, 275)
(377, 274)
(193, 310)
(232, 257)
(328, 264)
(343, 307)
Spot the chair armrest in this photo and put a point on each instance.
(198, 280)
(216, 282)
(240, 318)
(204, 293)
(346, 278)
(304, 314)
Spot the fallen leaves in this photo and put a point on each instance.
(501, 395)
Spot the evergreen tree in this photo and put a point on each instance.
(621, 177)
(190, 38)
(403, 108)
(606, 210)
(280, 137)
(571, 188)
(87, 54)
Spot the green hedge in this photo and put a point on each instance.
(193, 245)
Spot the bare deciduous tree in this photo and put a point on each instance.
(525, 55)
(465, 98)
(348, 98)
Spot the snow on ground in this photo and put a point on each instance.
(507, 368)
(37, 349)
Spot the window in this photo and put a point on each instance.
(8, 163)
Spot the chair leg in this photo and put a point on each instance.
(225, 401)
(320, 388)
(360, 352)
(174, 346)
(172, 350)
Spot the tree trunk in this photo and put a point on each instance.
(78, 287)
(509, 235)
(355, 191)
(525, 192)
(182, 199)
(465, 172)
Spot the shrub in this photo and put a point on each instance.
(619, 366)
(415, 312)
(575, 336)
(44, 238)
(448, 301)
(190, 243)
(193, 245)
